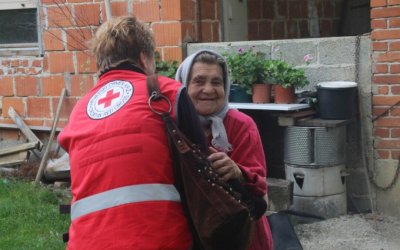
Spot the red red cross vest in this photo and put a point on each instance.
(121, 170)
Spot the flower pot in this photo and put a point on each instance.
(284, 95)
(238, 94)
(261, 93)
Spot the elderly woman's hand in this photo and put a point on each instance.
(224, 165)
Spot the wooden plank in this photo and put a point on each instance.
(43, 162)
(14, 159)
(317, 122)
(291, 118)
(33, 128)
(5, 170)
(18, 148)
(24, 128)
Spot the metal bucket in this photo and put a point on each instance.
(317, 181)
(315, 145)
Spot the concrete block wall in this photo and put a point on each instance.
(334, 58)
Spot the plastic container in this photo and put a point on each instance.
(337, 100)
(238, 94)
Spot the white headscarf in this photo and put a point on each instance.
(219, 136)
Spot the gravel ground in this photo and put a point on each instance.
(359, 231)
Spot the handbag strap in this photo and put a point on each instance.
(181, 146)
(180, 141)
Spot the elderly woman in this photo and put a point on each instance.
(235, 143)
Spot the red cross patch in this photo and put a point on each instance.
(109, 99)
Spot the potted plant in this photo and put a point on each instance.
(165, 68)
(286, 79)
(246, 71)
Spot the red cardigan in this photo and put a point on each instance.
(248, 153)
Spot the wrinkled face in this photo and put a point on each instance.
(206, 88)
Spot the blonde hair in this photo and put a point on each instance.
(121, 39)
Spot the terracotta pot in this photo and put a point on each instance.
(284, 95)
(261, 93)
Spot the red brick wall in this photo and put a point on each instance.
(285, 19)
(209, 13)
(32, 85)
(385, 22)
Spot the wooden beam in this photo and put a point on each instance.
(317, 122)
(24, 128)
(33, 128)
(43, 162)
(291, 118)
(14, 159)
(18, 148)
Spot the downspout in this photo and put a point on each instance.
(108, 9)
(313, 21)
(198, 21)
(39, 29)
(197, 27)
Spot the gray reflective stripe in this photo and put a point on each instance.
(124, 195)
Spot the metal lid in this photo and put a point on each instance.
(337, 84)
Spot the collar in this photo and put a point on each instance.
(123, 66)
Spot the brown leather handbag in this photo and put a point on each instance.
(221, 214)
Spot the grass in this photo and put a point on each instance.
(29, 216)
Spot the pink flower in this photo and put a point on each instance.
(307, 58)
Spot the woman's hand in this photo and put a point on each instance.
(224, 165)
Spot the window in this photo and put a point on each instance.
(18, 27)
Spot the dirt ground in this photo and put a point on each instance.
(359, 231)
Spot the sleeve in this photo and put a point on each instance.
(249, 155)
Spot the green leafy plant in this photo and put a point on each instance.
(284, 74)
(166, 68)
(245, 68)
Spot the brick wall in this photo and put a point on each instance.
(285, 19)
(385, 22)
(32, 84)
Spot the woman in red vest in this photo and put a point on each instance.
(121, 169)
(235, 144)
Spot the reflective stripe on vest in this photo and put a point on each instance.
(124, 195)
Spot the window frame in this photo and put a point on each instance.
(22, 49)
(18, 4)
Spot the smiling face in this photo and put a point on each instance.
(206, 88)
